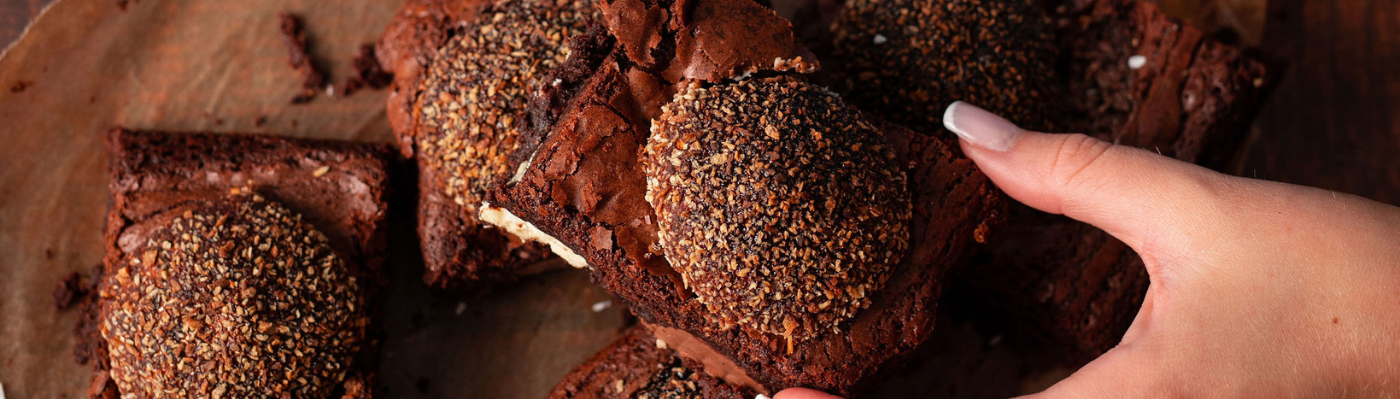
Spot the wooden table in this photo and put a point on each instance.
(1334, 121)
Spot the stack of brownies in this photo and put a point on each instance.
(778, 209)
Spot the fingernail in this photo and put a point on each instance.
(760, 396)
(979, 127)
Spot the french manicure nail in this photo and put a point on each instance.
(979, 127)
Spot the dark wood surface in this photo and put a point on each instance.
(1334, 121)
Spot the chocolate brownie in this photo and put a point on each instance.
(586, 190)
(1134, 77)
(242, 258)
(466, 74)
(915, 207)
(907, 60)
(640, 366)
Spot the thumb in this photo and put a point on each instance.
(1141, 198)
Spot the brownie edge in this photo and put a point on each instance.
(339, 188)
(640, 366)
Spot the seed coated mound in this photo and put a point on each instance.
(475, 92)
(237, 297)
(907, 60)
(783, 209)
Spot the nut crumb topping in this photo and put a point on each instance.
(672, 380)
(474, 94)
(235, 297)
(907, 60)
(783, 208)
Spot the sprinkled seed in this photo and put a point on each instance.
(671, 380)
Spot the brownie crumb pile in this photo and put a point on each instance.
(672, 381)
(475, 92)
(782, 208)
(907, 60)
(235, 297)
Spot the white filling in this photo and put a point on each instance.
(502, 218)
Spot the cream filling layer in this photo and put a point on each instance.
(500, 217)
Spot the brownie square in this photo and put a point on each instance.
(638, 365)
(1069, 285)
(458, 249)
(339, 188)
(586, 189)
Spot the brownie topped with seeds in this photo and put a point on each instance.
(896, 209)
(781, 207)
(585, 192)
(238, 265)
(907, 60)
(467, 73)
(232, 297)
(640, 366)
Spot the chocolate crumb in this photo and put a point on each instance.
(260, 121)
(368, 72)
(69, 291)
(313, 76)
(20, 86)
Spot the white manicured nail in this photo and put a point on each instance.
(981, 128)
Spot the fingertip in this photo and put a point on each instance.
(802, 393)
(980, 127)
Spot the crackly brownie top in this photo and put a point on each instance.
(907, 60)
(475, 92)
(782, 208)
(704, 40)
(232, 297)
(672, 381)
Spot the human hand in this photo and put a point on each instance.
(1258, 288)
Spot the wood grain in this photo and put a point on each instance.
(1334, 121)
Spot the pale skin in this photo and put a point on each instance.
(1258, 288)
